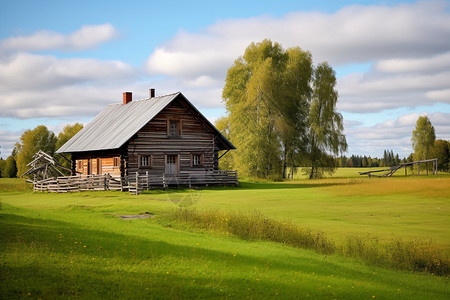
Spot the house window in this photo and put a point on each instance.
(174, 128)
(196, 160)
(145, 161)
(116, 161)
(80, 164)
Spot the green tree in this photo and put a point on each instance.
(65, 135)
(268, 93)
(31, 141)
(423, 137)
(293, 107)
(250, 93)
(441, 151)
(10, 168)
(226, 161)
(326, 124)
(2, 167)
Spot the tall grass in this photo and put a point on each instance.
(252, 226)
(14, 185)
(396, 253)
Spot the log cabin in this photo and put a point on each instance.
(154, 136)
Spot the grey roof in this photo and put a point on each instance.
(117, 123)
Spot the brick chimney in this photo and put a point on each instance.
(127, 97)
(152, 93)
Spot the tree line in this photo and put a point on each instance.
(281, 113)
(362, 161)
(33, 140)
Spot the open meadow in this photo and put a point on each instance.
(76, 245)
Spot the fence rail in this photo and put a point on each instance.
(389, 172)
(134, 183)
(138, 183)
(78, 183)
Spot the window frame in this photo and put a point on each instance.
(200, 158)
(116, 161)
(179, 128)
(149, 161)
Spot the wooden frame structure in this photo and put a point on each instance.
(44, 166)
(392, 170)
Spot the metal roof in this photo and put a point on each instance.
(117, 123)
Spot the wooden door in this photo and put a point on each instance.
(172, 164)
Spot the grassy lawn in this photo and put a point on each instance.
(74, 245)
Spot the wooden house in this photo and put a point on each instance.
(154, 136)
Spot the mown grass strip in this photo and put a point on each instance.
(415, 256)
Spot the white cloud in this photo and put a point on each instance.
(89, 36)
(62, 101)
(408, 44)
(45, 86)
(34, 85)
(25, 71)
(7, 141)
(375, 91)
(353, 34)
(439, 95)
(394, 134)
(439, 62)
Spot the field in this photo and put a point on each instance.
(76, 246)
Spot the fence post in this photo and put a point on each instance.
(164, 180)
(137, 183)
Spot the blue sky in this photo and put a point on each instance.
(63, 61)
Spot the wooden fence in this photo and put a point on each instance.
(389, 172)
(78, 183)
(138, 183)
(133, 183)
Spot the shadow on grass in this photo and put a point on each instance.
(117, 265)
(245, 185)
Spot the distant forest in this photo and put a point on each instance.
(357, 161)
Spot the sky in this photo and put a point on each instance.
(62, 62)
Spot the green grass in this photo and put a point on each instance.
(73, 245)
(398, 254)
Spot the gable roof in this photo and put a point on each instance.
(117, 123)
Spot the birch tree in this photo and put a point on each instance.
(281, 112)
(423, 137)
(326, 124)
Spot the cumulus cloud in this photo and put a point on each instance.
(45, 86)
(435, 63)
(25, 71)
(408, 45)
(375, 91)
(88, 36)
(37, 85)
(394, 134)
(7, 141)
(352, 34)
(61, 101)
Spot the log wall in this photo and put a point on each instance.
(97, 163)
(154, 140)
